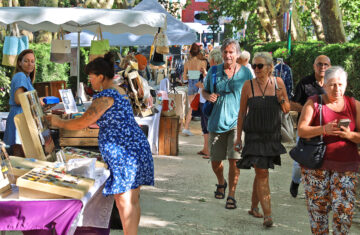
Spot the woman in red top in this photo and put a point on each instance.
(332, 187)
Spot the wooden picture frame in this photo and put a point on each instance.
(33, 128)
(6, 174)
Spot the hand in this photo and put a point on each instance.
(331, 128)
(238, 145)
(203, 71)
(344, 132)
(213, 97)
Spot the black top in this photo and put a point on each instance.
(305, 88)
(262, 126)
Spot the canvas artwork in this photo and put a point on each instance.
(40, 122)
(6, 175)
(68, 101)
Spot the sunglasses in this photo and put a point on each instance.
(260, 66)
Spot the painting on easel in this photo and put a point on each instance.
(36, 135)
(6, 175)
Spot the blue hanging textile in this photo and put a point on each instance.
(284, 71)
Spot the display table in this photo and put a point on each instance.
(60, 215)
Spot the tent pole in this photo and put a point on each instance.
(78, 64)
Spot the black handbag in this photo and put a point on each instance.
(310, 152)
(208, 106)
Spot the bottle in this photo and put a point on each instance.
(79, 104)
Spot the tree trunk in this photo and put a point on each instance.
(318, 27)
(331, 19)
(266, 22)
(297, 31)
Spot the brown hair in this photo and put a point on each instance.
(20, 58)
(102, 65)
(195, 49)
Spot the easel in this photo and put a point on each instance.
(6, 174)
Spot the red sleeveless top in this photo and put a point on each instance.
(341, 154)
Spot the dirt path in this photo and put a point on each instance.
(182, 201)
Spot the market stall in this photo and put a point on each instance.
(78, 19)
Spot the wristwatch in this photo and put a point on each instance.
(282, 101)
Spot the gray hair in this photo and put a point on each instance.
(265, 55)
(215, 55)
(244, 55)
(335, 72)
(229, 41)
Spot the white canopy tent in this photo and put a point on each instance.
(78, 19)
(177, 32)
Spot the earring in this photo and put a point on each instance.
(101, 88)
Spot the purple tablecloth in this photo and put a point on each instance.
(39, 215)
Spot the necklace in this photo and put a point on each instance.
(263, 92)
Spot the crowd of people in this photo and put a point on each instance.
(243, 128)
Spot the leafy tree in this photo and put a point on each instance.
(351, 12)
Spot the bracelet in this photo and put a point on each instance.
(324, 130)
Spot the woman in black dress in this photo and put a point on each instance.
(259, 116)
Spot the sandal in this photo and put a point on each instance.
(230, 203)
(255, 212)
(218, 194)
(268, 221)
(206, 157)
(201, 153)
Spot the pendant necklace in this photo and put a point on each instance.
(263, 92)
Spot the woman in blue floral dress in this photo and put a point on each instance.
(122, 143)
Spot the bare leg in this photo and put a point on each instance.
(128, 205)
(234, 173)
(206, 144)
(254, 197)
(218, 169)
(263, 190)
(188, 115)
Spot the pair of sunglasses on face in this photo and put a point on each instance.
(259, 66)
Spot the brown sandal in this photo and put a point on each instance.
(255, 212)
(268, 221)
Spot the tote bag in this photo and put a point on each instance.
(98, 47)
(161, 43)
(60, 49)
(13, 45)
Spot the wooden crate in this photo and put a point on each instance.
(21, 166)
(169, 136)
(84, 137)
(50, 88)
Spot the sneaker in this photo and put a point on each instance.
(187, 132)
(294, 189)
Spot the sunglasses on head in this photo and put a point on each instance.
(260, 66)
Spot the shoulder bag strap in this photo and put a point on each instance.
(214, 71)
(320, 111)
(252, 88)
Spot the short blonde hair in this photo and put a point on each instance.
(267, 57)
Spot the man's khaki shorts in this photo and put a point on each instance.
(222, 145)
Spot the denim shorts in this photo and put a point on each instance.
(192, 90)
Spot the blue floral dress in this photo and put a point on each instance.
(123, 146)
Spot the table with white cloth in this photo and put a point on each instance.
(95, 211)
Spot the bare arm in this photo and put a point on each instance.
(19, 91)
(353, 136)
(282, 95)
(305, 130)
(242, 114)
(94, 112)
(185, 74)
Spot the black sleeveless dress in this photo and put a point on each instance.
(262, 133)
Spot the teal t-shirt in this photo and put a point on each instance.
(226, 109)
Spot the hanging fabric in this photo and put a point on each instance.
(13, 45)
(98, 47)
(284, 71)
(60, 49)
(157, 59)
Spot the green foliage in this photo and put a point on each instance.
(303, 55)
(4, 89)
(350, 13)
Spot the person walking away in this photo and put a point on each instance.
(21, 82)
(122, 143)
(214, 59)
(308, 86)
(259, 117)
(332, 186)
(230, 78)
(192, 69)
(244, 59)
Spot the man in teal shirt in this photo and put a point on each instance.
(230, 78)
